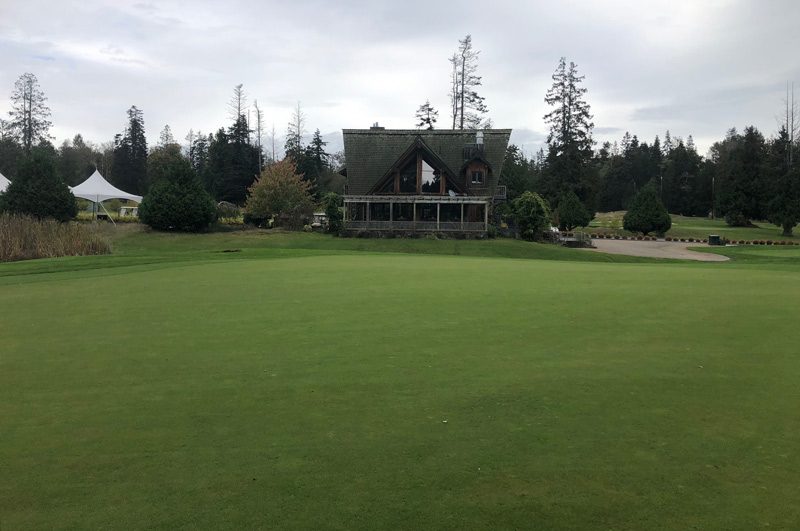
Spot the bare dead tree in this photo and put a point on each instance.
(237, 106)
(259, 135)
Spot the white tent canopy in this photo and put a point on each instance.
(97, 189)
(3, 183)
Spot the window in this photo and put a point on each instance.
(477, 177)
(431, 183)
(408, 178)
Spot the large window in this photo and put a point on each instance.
(431, 180)
(408, 178)
(477, 177)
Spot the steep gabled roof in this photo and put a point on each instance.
(370, 153)
(419, 145)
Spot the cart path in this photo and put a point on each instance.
(655, 249)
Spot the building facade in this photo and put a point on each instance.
(422, 181)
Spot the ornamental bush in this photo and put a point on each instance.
(333, 202)
(38, 191)
(178, 202)
(646, 213)
(280, 193)
(531, 215)
(572, 213)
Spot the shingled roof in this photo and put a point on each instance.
(371, 152)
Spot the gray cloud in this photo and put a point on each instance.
(690, 67)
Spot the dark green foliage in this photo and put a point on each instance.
(76, 160)
(333, 203)
(569, 153)
(783, 208)
(129, 172)
(38, 191)
(160, 160)
(232, 163)
(740, 181)
(11, 152)
(531, 215)
(646, 213)
(572, 213)
(516, 174)
(178, 201)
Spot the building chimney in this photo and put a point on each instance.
(376, 127)
(479, 138)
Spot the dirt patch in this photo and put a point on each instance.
(657, 249)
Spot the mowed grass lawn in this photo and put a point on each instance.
(369, 391)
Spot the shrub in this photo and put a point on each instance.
(639, 237)
(616, 237)
(768, 242)
(736, 219)
(178, 202)
(531, 215)
(226, 210)
(333, 203)
(38, 191)
(593, 235)
(491, 232)
(646, 212)
(572, 213)
(23, 237)
(282, 194)
(307, 228)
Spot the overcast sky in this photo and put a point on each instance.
(696, 67)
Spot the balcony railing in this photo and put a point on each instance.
(443, 226)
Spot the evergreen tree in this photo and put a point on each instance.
(467, 107)
(571, 212)
(569, 141)
(515, 174)
(646, 213)
(178, 201)
(129, 171)
(29, 113)
(426, 116)
(38, 191)
(783, 208)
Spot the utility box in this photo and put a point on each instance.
(714, 239)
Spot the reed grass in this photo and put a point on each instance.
(25, 238)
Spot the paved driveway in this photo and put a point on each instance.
(656, 249)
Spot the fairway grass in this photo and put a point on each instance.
(367, 391)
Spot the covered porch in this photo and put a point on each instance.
(416, 213)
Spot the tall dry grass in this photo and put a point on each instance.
(26, 238)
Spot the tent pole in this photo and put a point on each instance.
(107, 213)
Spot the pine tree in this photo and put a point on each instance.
(129, 171)
(570, 140)
(426, 116)
(646, 213)
(467, 107)
(38, 191)
(29, 113)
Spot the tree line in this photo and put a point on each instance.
(746, 176)
(226, 162)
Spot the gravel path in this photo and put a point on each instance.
(657, 249)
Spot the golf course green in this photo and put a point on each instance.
(306, 382)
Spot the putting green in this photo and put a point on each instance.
(401, 392)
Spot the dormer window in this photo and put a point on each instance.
(477, 177)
